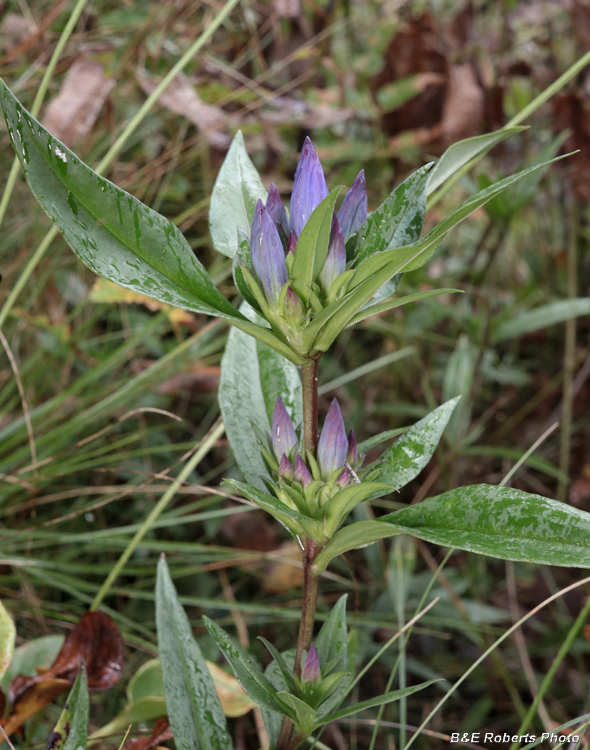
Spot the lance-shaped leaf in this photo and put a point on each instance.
(72, 727)
(500, 522)
(372, 264)
(355, 536)
(237, 188)
(312, 246)
(398, 302)
(252, 378)
(114, 234)
(406, 458)
(380, 700)
(462, 152)
(398, 220)
(303, 715)
(246, 671)
(194, 710)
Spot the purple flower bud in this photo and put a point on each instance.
(311, 668)
(285, 469)
(284, 438)
(336, 259)
(267, 255)
(353, 211)
(344, 479)
(302, 473)
(309, 187)
(276, 210)
(333, 444)
(351, 455)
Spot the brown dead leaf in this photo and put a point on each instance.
(33, 700)
(181, 98)
(580, 12)
(31, 39)
(161, 733)
(96, 641)
(111, 293)
(73, 112)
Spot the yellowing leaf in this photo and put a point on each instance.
(7, 637)
(234, 700)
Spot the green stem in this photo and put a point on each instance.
(160, 506)
(120, 142)
(309, 382)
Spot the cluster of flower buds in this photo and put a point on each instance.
(273, 248)
(306, 483)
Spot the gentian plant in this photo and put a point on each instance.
(304, 275)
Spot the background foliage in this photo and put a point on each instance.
(102, 393)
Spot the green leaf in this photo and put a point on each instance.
(237, 189)
(303, 714)
(246, 671)
(500, 522)
(293, 520)
(71, 729)
(312, 246)
(332, 644)
(398, 220)
(459, 374)
(380, 438)
(40, 652)
(272, 719)
(355, 536)
(462, 152)
(252, 376)
(284, 669)
(194, 710)
(372, 702)
(541, 317)
(406, 458)
(366, 312)
(114, 234)
(340, 505)
(7, 639)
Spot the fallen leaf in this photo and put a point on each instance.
(73, 112)
(251, 531)
(108, 292)
(202, 378)
(234, 701)
(96, 641)
(161, 733)
(181, 98)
